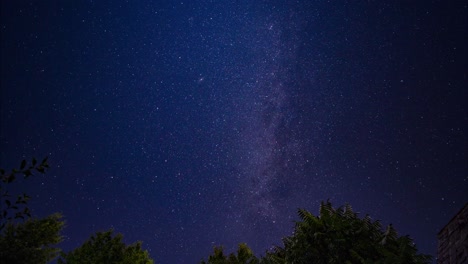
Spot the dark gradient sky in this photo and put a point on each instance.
(189, 124)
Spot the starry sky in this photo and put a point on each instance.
(189, 124)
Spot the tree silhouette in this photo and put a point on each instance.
(17, 208)
(340, 236)
(334, 236)
(244, 256)
(103, 248)
(32, 241)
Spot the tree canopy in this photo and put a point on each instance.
(103, 247)
(32, 241)
(337, 236)
(244, 256)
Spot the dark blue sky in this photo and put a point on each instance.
(189, 124)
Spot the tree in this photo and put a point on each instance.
(334, 236)
(244, 256)
(17, 208)
(340, 236)
(104, 248)
(32, 241)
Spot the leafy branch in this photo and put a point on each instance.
(17, 208)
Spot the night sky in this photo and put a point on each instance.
(189, 124)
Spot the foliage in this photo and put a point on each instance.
(32, 241)
(104, 248)
(334, 236)
(15, 209)
(340, 236)
(244, 256)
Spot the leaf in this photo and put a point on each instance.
(23, 164)
(34, 161)
(8, 203)
(19, 215)
(11, 178)
(40, 169)
(27, 173)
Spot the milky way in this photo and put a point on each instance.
(271, 154)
